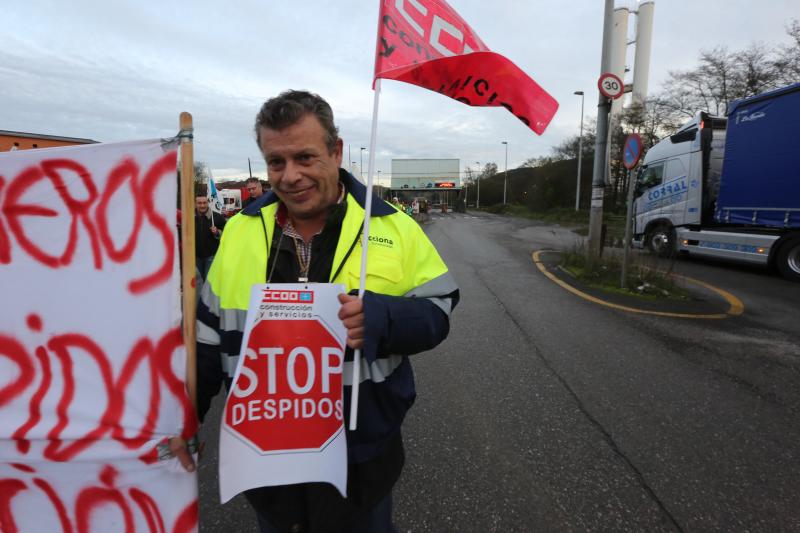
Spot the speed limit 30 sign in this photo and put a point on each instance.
(610, 85)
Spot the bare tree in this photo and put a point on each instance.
(201, 172)
(652, 121)
(787, 60)
(705, 87)
(568, 149)
(536, 162)
(722, 76)
(489, 170)
(755, 71)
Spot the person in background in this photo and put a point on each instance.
(254, 190)
(207, 232)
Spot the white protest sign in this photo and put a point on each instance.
(92, 364)
(283, 421)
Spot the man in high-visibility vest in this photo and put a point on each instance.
(308, 228)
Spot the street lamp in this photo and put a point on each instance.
(361, 167)
(580, 157)
(478, 201)
(505, 177)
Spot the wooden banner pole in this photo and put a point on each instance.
(188, 281)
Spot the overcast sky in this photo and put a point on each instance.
(124, 70)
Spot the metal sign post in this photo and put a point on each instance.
(598, 171)
(630, 157)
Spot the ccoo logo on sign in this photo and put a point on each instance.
(280, 296)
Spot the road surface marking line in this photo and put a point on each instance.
(736, 307)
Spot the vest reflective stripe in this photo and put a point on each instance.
(232, 319)
(378, 371)
(207, 334)
(229, 363)
(441, 286)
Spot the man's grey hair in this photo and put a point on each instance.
(254, 180)
(289, 107)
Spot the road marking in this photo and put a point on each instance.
(736, 307)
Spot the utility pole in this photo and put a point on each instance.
(478, 201)
(580, 157)
(505, 176)
(601, 141)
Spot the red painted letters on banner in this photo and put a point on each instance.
(91, 350)
(87, 215)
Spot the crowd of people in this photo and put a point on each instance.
(417, 209)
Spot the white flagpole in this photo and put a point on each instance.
(364, 242)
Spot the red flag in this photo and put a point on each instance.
(426, 43)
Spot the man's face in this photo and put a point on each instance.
(302, 172)
(254, 189)
(201, 202)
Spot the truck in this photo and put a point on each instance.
(232, 201)
(727, 187)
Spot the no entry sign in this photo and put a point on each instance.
(284, 417)
(632, 151)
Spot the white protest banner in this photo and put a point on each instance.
(92, 363)
(283, 421)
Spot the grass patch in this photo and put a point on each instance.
(646, 280)
(556, 215)
(565, 216)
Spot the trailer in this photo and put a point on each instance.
(727, 188)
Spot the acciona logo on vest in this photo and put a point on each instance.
(381, 241)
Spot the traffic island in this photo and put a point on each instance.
(704, 302)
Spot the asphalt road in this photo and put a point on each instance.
(546, 412)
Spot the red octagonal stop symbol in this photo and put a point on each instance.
(288, 394)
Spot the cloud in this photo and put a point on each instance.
(125, 70)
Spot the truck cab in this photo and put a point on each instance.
(677, 182)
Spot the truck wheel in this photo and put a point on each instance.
(788, 259)
(661, 240)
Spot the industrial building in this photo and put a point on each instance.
(437, 181)
(18, 140)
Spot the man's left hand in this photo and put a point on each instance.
(352, 316)
(180, 450)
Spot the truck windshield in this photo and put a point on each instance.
(651, 175)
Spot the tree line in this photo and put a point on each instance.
(720, 77)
